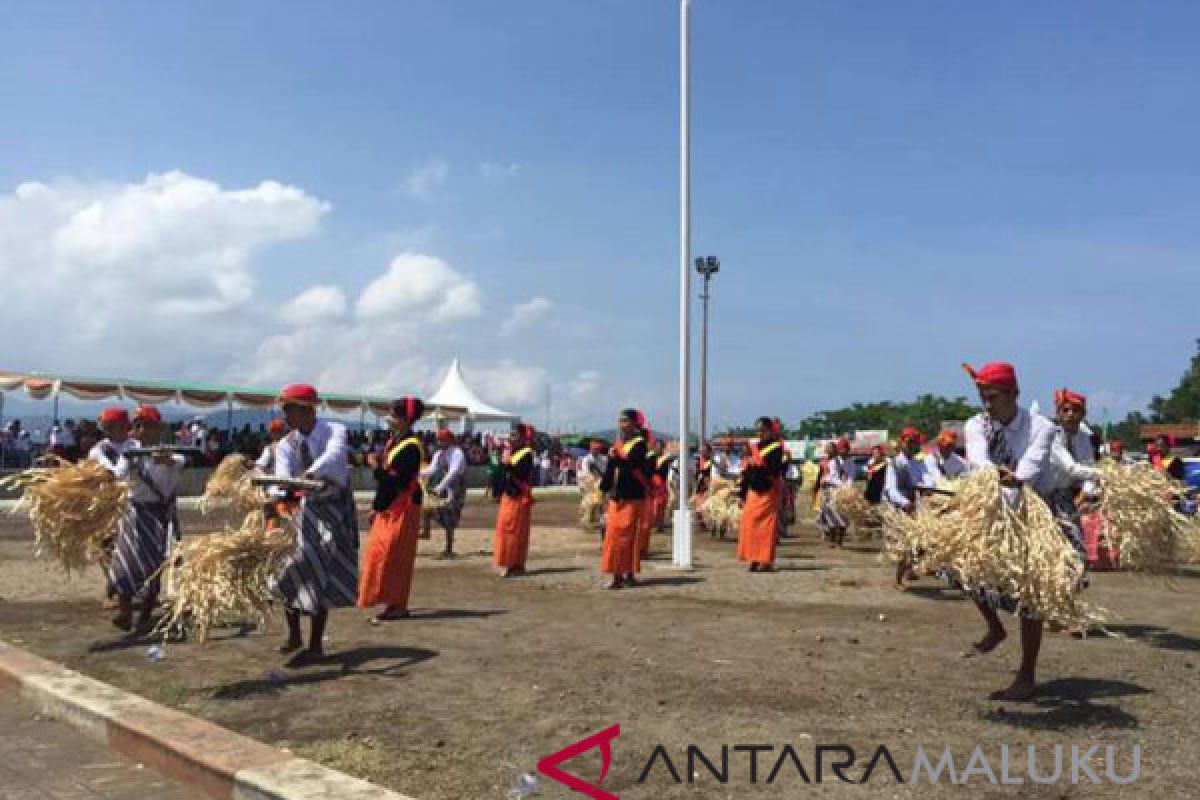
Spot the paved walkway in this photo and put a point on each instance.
(44, 759)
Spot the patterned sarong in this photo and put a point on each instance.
(323, 572)
(140, 548)
(830, 519)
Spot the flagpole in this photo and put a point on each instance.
(682, 540)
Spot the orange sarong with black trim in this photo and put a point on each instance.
(760, 525)
(510, 546)
(387, 570)
(622, 536)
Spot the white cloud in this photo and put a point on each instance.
(525, 314)
(423, 181)
(314, 306)
(420, 287)
(509, 384)
(584, 386)
(126, 269)
(493, 171)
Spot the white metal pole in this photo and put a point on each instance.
(682, 543)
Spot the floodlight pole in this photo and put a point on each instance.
(681, 549)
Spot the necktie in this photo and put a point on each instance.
(306, 456)
(998, 451)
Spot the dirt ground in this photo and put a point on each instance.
(492, 675)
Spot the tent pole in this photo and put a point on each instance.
(229, 416)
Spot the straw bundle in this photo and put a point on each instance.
(74, 510)
(230, 483)
(591, 500)
(1018, 550)
(851, 503)
(1137, 505)
(226, 576)
(431, 504)
(722, 509)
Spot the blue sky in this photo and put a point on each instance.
(892, 189)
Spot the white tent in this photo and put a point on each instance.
(454, 392)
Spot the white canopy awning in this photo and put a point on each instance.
(454, 392)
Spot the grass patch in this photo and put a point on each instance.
(357, 756)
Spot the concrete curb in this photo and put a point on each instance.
(218, 762)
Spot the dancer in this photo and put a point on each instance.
(276, 430)
(1019, 445)
(625, 482)
(323, 571)
(762, 491)
(907, 475)
(944, 463)
(144, 536)
(109, 452)
(510, 548)
(387, 570)
(839, 471)
(449, 466)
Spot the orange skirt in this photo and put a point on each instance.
(646, 524)
(760, 521)
(510, 547)
(387, 570)
(658, 489)
(621, 555)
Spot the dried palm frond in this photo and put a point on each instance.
(74, 510)
(851, 503)
(1137, 506)
(230, 483)
(722, 509)
(591, 500)
(226, 576)
(1016, 549)
(431, 504)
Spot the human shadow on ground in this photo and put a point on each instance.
(126, 641)
(421, 614)
(344, 663)
(1158, 636)
(673, 580)
(551, 571)
(1068, 703)
(943, 593)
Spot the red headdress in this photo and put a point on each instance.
(299, 394)
(408, 408)
(147, 414)
(997, 374)
(445, 436)
(1065, 397)
(277, 425)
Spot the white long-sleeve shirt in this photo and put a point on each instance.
(326, 445)
(452, 461)
(1072, 462)
(266, 459)
(945, 467)
(1030, 439)
(149, 481)
(904, 476)
(840, 470)
(593, 463)
(111, 456)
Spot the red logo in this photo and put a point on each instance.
(548, 766)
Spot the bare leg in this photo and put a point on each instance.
(1025, 685)
(146, 617)
(124, 618)
(449, 551)
(995, 631)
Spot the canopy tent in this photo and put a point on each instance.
(197, 395)
(455, 393)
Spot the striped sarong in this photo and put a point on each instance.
(830, 519)
(323, 572)
(449, 513)
(140, 548)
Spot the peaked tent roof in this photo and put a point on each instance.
(455, 392)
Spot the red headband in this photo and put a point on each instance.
(276, 426)
(997, 374)
(444, 435)
(1064, 397)
(110, 415)
(948, 437)
(843, 445)
(147, 414)
(526, 431)
(299, 394)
